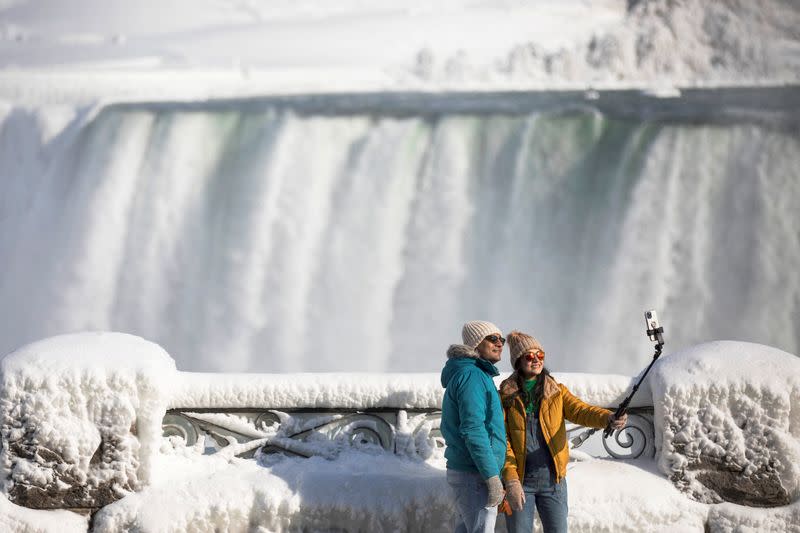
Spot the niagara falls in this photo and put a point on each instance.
(279, 266)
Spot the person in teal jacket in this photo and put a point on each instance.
(473, 427)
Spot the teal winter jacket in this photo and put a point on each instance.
(472, 416)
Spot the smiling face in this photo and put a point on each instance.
(531, 363)
(491, 348)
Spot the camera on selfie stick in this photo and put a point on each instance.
(654, 329)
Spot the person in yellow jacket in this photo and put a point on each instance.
(535, 406)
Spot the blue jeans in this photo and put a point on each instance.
(550, 500)
(470, 493)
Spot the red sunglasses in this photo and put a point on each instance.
(538, 354)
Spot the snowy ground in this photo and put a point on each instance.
(369, 492)
(16, 519)
(380, 493)
(90, 49)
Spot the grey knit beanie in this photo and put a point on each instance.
(475, 331)
(519, 343)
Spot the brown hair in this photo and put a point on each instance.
(538, 390)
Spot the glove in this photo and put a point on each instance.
(496, 491)
(515, 495)
(618, 423)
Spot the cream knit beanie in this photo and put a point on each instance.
(519, 343)
(475, 331)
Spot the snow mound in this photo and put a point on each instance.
(732, 518)
(81, 418)
(727, 417)
(365, 490)
(634, 497)
(360, 491)
(23, 520)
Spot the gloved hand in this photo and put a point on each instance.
(618, 423)
(515, 495)
(496, 491)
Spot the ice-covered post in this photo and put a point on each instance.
(81, 418)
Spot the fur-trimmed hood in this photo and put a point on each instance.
(509, 387)
(461, 350)
(461, 358)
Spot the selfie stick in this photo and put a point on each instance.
(655, 332)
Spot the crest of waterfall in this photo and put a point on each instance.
(276, 240)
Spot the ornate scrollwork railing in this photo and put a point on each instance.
(635, 440)
(306, 432)
(327, 432)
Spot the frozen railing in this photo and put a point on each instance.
(322, 414)
(83, 418)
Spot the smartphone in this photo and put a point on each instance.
(651, 319)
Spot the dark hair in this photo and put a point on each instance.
(538, 390)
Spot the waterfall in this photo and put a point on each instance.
(280, 239)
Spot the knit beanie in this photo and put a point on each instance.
(475, 331)
(519, 343)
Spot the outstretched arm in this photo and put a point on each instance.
(583, 414)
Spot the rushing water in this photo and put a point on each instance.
(358, 234)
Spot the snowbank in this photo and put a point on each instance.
(727, 418)
(360, 491)
(17, 519)
(731, 518)
(363, 491)
(373, 491)
(608, 495)
(81, 418)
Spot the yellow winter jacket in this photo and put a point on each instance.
(558, 403)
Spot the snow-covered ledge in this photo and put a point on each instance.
(361, 390)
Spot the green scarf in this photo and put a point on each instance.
(529, 385)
